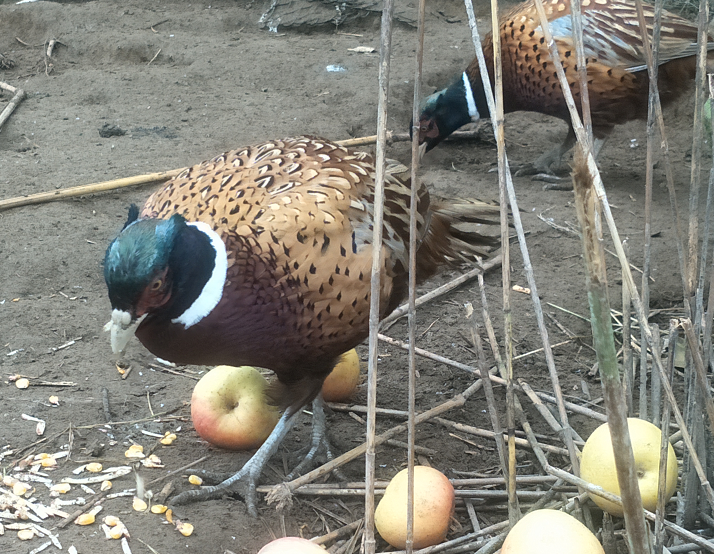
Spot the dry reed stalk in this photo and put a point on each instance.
(497, 122)
(706, 243)
(491, 401)
(369, 543)
(281, 493)
(411, 333)
(443, 289)
(603, 340)
(594, 489)
(628, 361)
(576, 17)
(491, 435)
(664, 444)
(656, 388)
(700, 370)
(527, 266)
(470, 369)
(447, 545)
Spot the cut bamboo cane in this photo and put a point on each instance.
(603, 340)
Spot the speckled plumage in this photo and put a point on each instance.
(296, 218)
(617, 75)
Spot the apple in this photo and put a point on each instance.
(434, 502)
(342, 381)
(598, 464)
(292, 545)
(229, 408)
(550, 531)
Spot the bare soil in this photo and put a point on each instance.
(185, 81)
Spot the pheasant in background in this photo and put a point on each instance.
(617, 72)
(262, 256)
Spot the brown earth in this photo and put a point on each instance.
(187, 80)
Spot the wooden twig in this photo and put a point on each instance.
(42, 197)
(385, 52)
(14, 102)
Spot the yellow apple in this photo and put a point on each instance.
(549, 532)
(292, 545)
(229, 408)
(342, 381)
(598, 464)
(434, 502)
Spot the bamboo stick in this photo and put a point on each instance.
(603, 340)
(369, 543)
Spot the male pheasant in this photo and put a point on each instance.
(616, 66)
(262, 256)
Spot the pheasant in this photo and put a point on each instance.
(617, 71)
(262, 256)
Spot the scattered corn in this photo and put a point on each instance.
(54, 400)
(25, 534)
(139, 505)
(8, 480)
(158, 509)
(111, 521)
(48, 462)
(94, 467)
(170, 515)
(118, 531)
(195, 480)
(60, 488)
(153, 461)
(22, 384)
(184, 528)
(168, 439)
(85, 519)
(105, 486)
(20, 488)
(135, 451)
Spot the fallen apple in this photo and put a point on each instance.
(292, 545)
(434, 502)
(229, 408)
(342, 381)
(548, 532)
(598, 464)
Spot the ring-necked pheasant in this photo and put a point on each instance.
(615, 59)
(262, 256)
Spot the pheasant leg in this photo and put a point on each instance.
(247, 477)
(319, 441)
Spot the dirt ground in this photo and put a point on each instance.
(185, 81)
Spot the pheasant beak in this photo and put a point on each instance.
(122, 327)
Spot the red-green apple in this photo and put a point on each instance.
(342, 381)
(229, 408)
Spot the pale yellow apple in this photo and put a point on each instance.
(292, 545)
(550, 532)
(598, 464)
(229, 408)
(434, 502)
(342, 381)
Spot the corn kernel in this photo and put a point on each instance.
(61, 488)
(54, 400)
(25, 534)
(20, 488)
(135, 451)
(22, 384)
(170, 515)
(8, 480)
(118, 531)
(105, 486)
(139, 505)
(168, 439)
(94, 467)
(111, 520)
(158, 509)
(195, 480)
(48, 462)
(85, 519)
(184, 528)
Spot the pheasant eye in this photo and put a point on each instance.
(156, 285)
